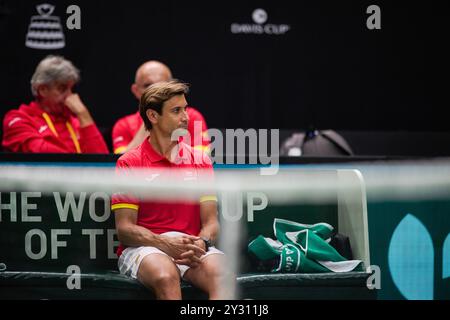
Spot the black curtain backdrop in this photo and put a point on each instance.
(327, 71)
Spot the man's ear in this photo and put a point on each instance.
(135, 90)
(152, 115)
(42, 90)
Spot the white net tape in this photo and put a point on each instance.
(383, 181)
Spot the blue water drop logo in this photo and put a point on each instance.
(446, 258)
(411, 259)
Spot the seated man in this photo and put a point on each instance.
(161, 241)
(129, 131)
(57, 121)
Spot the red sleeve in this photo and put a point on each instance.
(20, 135)
(121, 136)
(196, 116)
(205, 137)
(122, 200)
(91, 140)
(206, 174)
(199, 117)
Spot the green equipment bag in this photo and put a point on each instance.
(302, 248)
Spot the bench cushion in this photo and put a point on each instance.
(49, 285)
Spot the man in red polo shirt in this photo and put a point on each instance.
(128, 132)
(57, 121)
(162, 241)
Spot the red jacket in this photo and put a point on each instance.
(30, 129)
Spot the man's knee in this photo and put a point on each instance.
(166, 278)
(158, 270)
(214, 267)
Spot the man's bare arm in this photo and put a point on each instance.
(74, 103)
(209, 229)
(130, 234)
(209, 220)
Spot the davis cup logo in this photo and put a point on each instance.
(259, 16)
(45, 31)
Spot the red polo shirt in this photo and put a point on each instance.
(126, 128)
(160, 217)
(30, 129)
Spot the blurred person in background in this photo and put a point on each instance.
(57, 121)
(129, 131)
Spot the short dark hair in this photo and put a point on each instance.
(158, 93)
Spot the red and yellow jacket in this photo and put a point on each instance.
(31, 129)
